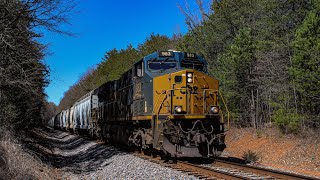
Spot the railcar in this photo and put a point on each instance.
(166, 102)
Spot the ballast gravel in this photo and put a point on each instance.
(127, 166)
(74, 157)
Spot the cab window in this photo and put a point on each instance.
(161, 65)
(139, 69)
(193, 65)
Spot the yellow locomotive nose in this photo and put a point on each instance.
(186, 92)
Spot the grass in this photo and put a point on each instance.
(15, 163)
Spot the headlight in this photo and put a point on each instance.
(189, 80)
(178, 109)
(189, 75)
(214, 109)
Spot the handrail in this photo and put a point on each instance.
(204, 91)
(225, 105)
(155, 121)
(163, 92)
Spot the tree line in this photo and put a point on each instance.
(264, 53)
(266, 57)
(23, 74)
(114, 64)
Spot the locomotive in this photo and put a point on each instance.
(166, 102)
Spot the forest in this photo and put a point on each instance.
(265, 54)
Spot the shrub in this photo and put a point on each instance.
(15, 163)
(250, 156)
(288, 122)
(259, 132)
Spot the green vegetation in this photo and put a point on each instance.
(236, 74)
(114, 63)
(305, 69)
(264, 53)
(266, 56)
(250, 156)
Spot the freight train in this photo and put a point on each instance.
(166, 102)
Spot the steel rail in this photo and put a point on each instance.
(193, 169)
(263, 171)
(208, 172)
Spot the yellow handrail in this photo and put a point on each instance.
(225, 105)
(163, 92)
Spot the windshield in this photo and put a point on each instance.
(161, 65)
(193, 65)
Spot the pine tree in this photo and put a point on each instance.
(235, 74)
(114, 63)
(272, 25)
(306, 61)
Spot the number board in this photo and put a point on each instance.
(190, 55)
(166, 54)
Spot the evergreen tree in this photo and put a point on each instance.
(155, 43)
(272, 25)
(114, 64)
(305, 70)
(236, 76)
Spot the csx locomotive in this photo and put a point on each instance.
(166, 102)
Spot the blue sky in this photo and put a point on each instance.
(102, 25)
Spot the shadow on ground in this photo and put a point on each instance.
(62, 150)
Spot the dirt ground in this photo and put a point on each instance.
(288, 152)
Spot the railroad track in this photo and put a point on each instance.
(223, 169)
(270, 173)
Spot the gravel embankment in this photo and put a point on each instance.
(127, 166)
(73, 157)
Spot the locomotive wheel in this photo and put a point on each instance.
(175, 160)
(99, 135)
(91, 134)
(154, 153)
(148, 152)
(165, 156)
